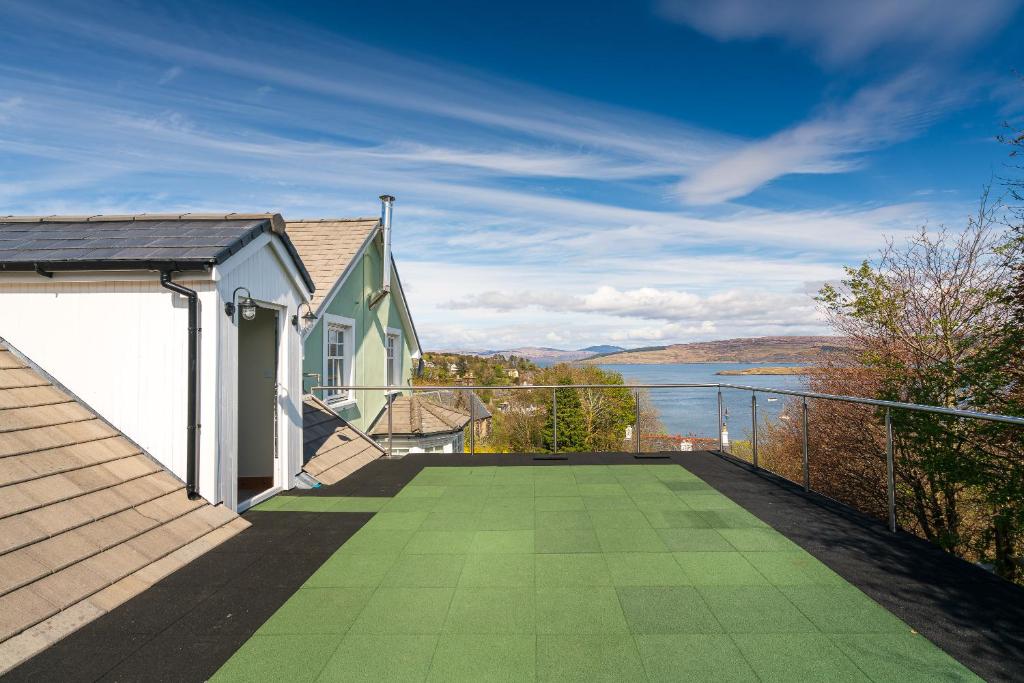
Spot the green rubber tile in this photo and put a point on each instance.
(506, 520)
(688, 486)
(559, 504)
(797, 657)
(425, 571)
(278, 658)
(404, 611)
(497, 570)
(793, 568)
(509, 541)
(564, 519)
(719, 569)
(677, 519)
(269, 505)
(843, 609)
(593, 474)
(644, 540)
(357, 504)
(509, 504)
(707, 501)
(579, 610)
(656, 502)
(472, 658)
(449, 521)
(645, 569)
(421, 491)
(512, 490)
(686, 540)
(396, 520)
(562, 475)
(588, 659)
(491, 611)
(512, 475)
(755, 609)
(693, 657)
(317, 610)
(644, 487)
(372, 659)
(344, 569)
(456, 503)
(566, 541)
(302, 503)
(607, 489)
(410, 505)
(905, 657)
(551, 489)
(622, 502)
(572, 569)
(672, 472)
(378, 541)
(758, 540)
(619, 519)
(666, 609)
(733, 519)
(440, 542)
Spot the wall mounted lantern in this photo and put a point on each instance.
(307, 319)
(247, 307)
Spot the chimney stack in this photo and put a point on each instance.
(386, 203)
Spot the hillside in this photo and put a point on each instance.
(746, 350)
(547, 354)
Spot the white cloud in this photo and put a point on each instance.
(844, 31)
(169, 75)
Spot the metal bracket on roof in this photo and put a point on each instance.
(39, 271)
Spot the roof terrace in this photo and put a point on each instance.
(615, 566)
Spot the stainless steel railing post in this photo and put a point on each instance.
(753, 423)
(636, 427)
(472, 424)
(390, 426)
(721, 421)
(807, 460)
(890, 466)
(554, 420)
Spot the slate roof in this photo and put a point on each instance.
(328, 246)
(418, 415)
(145, 241)
(332, 448)
(87, 520)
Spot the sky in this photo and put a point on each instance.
(566, 174)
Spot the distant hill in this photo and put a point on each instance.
(548, 354)
(744, 350)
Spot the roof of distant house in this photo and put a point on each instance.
(419, 416)
(163, 242)
(331, 447)
(328, 247)
(87, 519)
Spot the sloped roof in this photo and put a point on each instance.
(328, 246)
(87, 520)
(419, 416)
(144, 241)
(332, 448)
(459, 400)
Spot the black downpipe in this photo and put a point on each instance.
(193, 378)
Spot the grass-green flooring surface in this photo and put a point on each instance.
(589, 573)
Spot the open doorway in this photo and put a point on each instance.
(257, 404)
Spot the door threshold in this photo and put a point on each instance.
(257, 499)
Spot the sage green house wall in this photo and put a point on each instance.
(371, 326)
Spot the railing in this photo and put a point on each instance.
(804, 396)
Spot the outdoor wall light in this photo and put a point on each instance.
(307, 319)
(247, 307)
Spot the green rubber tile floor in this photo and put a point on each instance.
(574, 573)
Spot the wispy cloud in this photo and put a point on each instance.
(843, 31)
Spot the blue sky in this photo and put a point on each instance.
(567, 174)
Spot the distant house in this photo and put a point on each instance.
(421, 424)
(358, 330)
(182, 330)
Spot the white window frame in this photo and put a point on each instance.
(398, 355)
(349, 364)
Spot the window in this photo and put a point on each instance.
(339, 353)
(393, 345)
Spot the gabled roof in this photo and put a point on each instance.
(87, 520)
(417, 415)
(328, 247)
(331, 447)
(142, 242)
